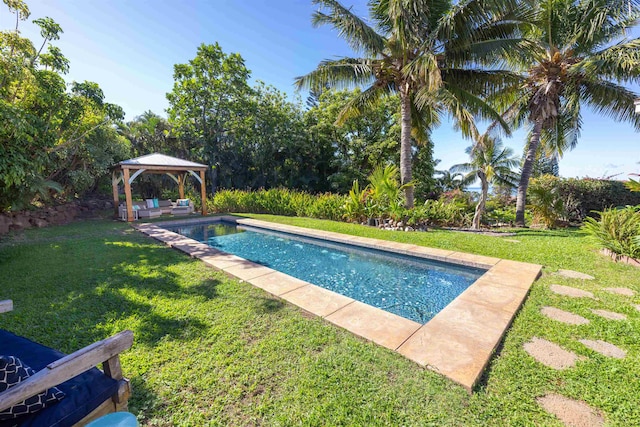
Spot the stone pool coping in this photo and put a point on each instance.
(458, 342)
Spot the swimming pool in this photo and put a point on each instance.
(414, 288)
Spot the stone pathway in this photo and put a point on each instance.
(574, 413)
(621, 291)
(609, 314)
(563, 316)
(550, 354)
(574, 275)
(571, 292)
(571, 412)
(605, 348)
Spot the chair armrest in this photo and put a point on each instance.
(68, 367)
(6, 305)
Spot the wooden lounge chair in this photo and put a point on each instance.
(89, 392)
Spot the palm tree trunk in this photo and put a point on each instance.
(527, 168)
(482, 202)
(405, 144)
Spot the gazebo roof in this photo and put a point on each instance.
(157, 161)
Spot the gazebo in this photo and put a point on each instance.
(178, 169)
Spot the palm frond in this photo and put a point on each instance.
(610, 100)
(340, 73)
(354, 30)
(362, 102)
(618, 62)
(452, 103)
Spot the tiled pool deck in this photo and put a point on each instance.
(458, 342)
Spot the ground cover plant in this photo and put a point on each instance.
(210, 350)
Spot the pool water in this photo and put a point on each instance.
(414, 288)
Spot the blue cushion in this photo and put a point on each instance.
(84, 393)
(156, 203)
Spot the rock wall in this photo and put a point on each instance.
(52, 215)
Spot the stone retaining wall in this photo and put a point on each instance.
(52, 215)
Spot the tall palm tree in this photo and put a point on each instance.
(491, 163)
(577, 55)
(429, 52)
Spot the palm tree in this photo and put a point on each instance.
(429, 52)
(577, 55)
(450, 180)
(491, 164)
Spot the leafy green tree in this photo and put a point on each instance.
(426, 186)
(429, 52)
(210, 96)
(491, 163)
(351, 149)
(51, 138)
(575, 55)
(272, 145)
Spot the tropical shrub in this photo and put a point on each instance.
(546, 203)
(354, 206)
(617, 230)
(278, 201)
(584, 197)
(446, 213)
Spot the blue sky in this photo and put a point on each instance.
(129, 48)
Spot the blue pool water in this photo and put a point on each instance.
(410, 287)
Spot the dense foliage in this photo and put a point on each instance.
(279, 201)
(54, 137)
(585, 197)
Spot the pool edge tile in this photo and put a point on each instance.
(316, 300)
(277, 283)
(383, 328)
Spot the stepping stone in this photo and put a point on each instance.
(563, 316)
(621, 291)
(550, 354)
(570, 292)
(573, 413)
(574, 275)
(609, 314)
(637, 306)
(605, 348)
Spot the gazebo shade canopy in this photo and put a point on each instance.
(161, 160)
(177, 169)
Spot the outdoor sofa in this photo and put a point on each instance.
(84, 392)
(146, 209)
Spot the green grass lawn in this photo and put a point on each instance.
(210, 350)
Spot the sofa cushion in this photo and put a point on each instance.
(182, 202)
(12, 372)
(149, 203)
(84, 393)
(165, 203)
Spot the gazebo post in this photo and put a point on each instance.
(181, 177)
(127, 193)
(203, 194)
(114, 184)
